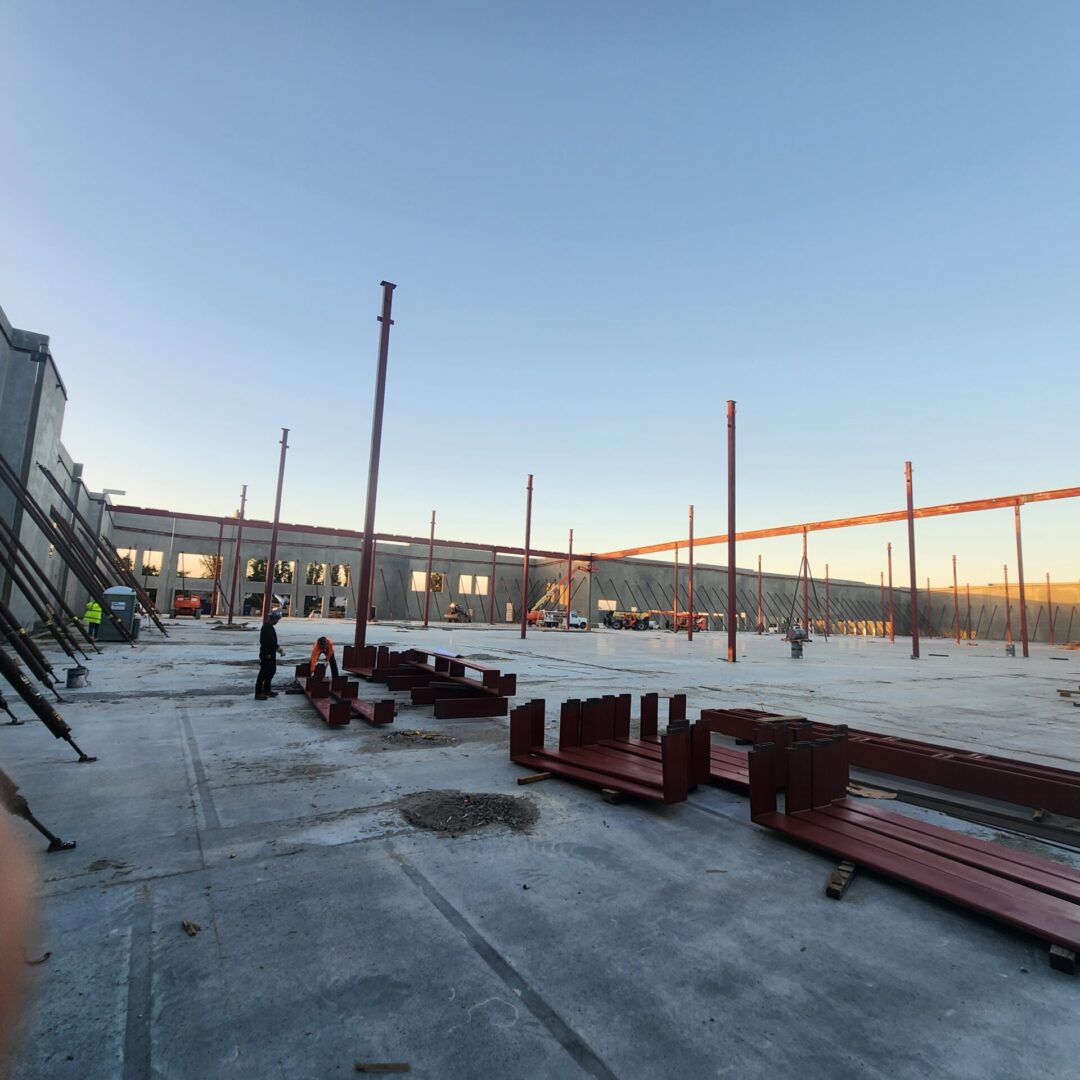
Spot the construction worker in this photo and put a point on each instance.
(92, 617)
(324, 647)
(268, 653)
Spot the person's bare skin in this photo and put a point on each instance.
(16, 886)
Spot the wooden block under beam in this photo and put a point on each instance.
(839, 880)
(535, 778)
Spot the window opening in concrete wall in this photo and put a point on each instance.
(418, 581)
(606, 605)
(340, 574)
(127, 557)
(312, 606)
(464, 584)
(252, 603)
(315, 573)
(480, 585)
(210, 566)
(338, 606)
(152, 593)
(151, 563)
(284, 571)
(189, 566)
(256, 570)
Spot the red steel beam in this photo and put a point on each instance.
(940, 510)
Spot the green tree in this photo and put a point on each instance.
(211, 565)
(283, 572)
(256, 569)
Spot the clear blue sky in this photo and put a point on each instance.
(859, 220)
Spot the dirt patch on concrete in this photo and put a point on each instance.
(457, 812)
(417, 737)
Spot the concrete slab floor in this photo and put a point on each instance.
(649, 942)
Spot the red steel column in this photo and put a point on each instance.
(731, 599)
(882, 603)
(805, 586)
(1049, 613)
(968, 587)
(525, 569)
(760, 623)
(911, 563)
(1008, 608)
(491, 587)
(929, 609)
(236, 557)
(217, 569)
(955, 602)
(268, 592)
(364, 604)
(826, 601)
(569, 574)
(1020, 584)
(690, 582)
(430, 557)
(892, 610)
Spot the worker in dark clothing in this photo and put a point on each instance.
(268, 652)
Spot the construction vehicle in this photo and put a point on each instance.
(701, 622)
(455, 613)
(630, 620)
(187, 604)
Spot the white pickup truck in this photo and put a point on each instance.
(558, 618)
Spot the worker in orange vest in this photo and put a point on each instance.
(324, 647)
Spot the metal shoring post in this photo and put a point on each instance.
(1008, 608)
(892, 610)
(760, 624)
(271, 564)
(1020, 583)
(525, 565)
(363, 605)
(675, 594)
(236, 555)
(955, 602)
(911, 563)
(569, 575)
(882, 603)
(1049, 614)
(731, 599)
(427, 581)
(690, 580)
(805, 586)
(826, 601)
(217, 568)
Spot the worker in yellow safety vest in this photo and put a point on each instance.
(324, 647)
(92, 617)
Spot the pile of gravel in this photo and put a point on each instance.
(457, 812)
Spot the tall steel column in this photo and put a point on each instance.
(236, 556)
(826, 601)
(760, 623)
(1008, 607)
(955, 602)
(569, 574)
(1020, 583)
(491, 587)
(1049, 613)
(968, 587)
(731, 598)
(892, 610)
(217, 568)
(364, 600)
(805, 586)
(430, 557)
(690, 581)
(675, 594)
(271, 563)
(911, 563)
(883, 603)
(525, 565)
